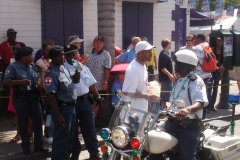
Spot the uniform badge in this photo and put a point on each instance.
(48, 71)
(7, 71)
(200, 85)
(48, 81)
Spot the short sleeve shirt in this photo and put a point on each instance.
(97, 64)
(86, 79)
(16, 71)
(127, 56)
(59, 81)
(6, 52)
(117, 85)
(199, 51)
(154, 54)
(136, 78)
(197, 91)
(43, 67)
(164, 61)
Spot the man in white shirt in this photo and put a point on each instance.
(189, 43)
(136, 78)
(199, 51)
(84, 110)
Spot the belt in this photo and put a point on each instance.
(27, 93)
(184, 121)
(60, 102)
(83, 98)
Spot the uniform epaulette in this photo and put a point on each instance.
(192, 77)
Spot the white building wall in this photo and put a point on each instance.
(24, 16)
(90, 22)
(162, 23)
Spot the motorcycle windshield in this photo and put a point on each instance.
(132, 109)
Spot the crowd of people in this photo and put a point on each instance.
(74, 82)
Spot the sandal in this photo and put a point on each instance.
(16, 138)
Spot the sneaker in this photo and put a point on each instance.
(48, 140)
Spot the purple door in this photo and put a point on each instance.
(137, 21)
(61, 19)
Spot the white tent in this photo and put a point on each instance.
(226, 22)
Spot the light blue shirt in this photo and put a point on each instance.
(127, 56)
(117, 85)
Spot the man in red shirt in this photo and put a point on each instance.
(6, 49)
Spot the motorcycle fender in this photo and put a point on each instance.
(159, 142)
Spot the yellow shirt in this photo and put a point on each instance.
(154, 54)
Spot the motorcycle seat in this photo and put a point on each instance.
(215, 124)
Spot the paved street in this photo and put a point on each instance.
(12, 150)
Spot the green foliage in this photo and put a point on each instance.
(233, 2)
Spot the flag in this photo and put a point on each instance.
(230, 10)
(179, 2)
(192, 4)
(218, 10)
(205, 5)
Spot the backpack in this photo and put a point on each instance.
(209, 61)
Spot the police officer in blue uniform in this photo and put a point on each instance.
(84, 110)
(24, 78)
(187, 99)
(62, 97)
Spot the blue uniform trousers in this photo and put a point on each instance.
(188, 138)
(63, 136)
(85, 115)
(28, 105)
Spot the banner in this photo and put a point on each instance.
(230, 10)
(228, 46)
(205, 5)
(238, 13)
(179, 2)
(218, 10)
(192, 4)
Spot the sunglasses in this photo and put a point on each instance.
(188, 40)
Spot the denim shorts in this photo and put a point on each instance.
(166, 88)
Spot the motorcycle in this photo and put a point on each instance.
(135, 134)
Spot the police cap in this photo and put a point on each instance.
(70, 48)
(23, 52)
(55, 51)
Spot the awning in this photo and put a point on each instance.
(198, 19)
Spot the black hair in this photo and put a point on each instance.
(21, 44)
(23, 52)
(202, 37)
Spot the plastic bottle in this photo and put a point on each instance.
(48, 120)
(76, 64)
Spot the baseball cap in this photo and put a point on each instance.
(10, 30)
(98, 37)
(74, 39)
(143, 45)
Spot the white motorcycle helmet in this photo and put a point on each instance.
(185, 59)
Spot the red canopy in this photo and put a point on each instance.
(119, 67)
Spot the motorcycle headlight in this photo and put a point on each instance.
(121, 136)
